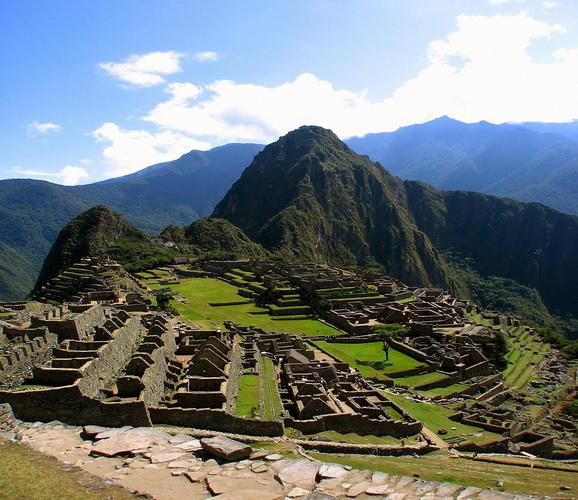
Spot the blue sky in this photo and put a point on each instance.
(91, 90)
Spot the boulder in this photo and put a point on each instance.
(301, 473)
(225, 448)
(190, 445)
(91, 431)
(128, 440)
(331, 471)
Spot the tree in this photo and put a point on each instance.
(386, 332)
(385, 336)
(164, 296)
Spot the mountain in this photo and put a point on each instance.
(99, 230)
(33, 212)
(309, 196)
(527, 242)
(528, 162)
(213, 238)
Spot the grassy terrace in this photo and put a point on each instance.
(248, 396)
(443, 467)
(444, 391)
(524, 355)
(436, 417)
(423, 379)
(440, 466)
(369, 358)
(272, 406)
(201, 292)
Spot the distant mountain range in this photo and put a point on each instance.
(309, 197)
(177, 192)
(531, 162)
(528, 162)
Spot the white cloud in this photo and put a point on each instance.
(493, 79)
(130, 150)
(480, 71)
(550, 4)
(206, 56)
(43, 128)
(145, 70)
(501, 2)
(69, 175)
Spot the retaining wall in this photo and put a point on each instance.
(68, 404)
(356, 423)
(216, 420)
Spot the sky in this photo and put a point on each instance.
(92, 90)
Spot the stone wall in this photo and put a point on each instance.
(7, 420)
(112, 358)
(235, 371)
(216, 420)
(155, 376)
(24, 352)
(364, 449)
(356, 423)
(478, 370)
(77, 327)
(410, 351)
(69, 405)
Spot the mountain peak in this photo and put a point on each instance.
(309, 196)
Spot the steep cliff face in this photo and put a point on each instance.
(308, 196)
(527, 242)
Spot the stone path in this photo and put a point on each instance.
(152, 462)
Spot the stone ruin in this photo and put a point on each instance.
(95, 279)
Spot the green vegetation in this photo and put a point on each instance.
(200, 293)
(219, 239)
(248, 396)
(436, 417)
(368, 358)
(524, 354)
(444, 391)
(570, 347)
(164, 296)
(101, 231)
(571, 408)
(25, 473)
(272, 406)
(417, 381)
(386, 332)
(446, 468)
(32, 212)
(284, 206)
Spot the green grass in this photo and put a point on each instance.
(272, 407)
(419, 380)
(524, 354)
(445, 468)
(27, 474)
(200, 292)
(444, 391)
(248, 396)
(436, 417)
(369, 358)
